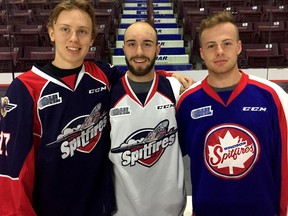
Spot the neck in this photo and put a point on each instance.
(146, 78)
(224, 80)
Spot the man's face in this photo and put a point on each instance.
(140, 48)
(220, 48)
(72, 35)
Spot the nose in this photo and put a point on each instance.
(74, 36)
(139, 49)
(219, 49)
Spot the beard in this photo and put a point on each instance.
(140, 71)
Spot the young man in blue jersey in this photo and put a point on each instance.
(233, 126)
(145, 152)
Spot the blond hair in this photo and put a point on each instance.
(66, 5)
(215, 19)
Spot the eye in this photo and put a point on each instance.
(227, 43)
(83, 32)
(147, 45)
(131, 44)
(65, 29)
(210, 46)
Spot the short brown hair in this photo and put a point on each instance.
(215, 19)
(83, 5)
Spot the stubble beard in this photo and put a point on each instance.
(141, 71)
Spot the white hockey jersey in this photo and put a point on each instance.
(148, 165)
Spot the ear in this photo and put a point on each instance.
(91, 43)
(158, 48)
(123, 47)
(239, 47)
(51, 34)
(201, 54)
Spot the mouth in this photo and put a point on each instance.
(137, 60)
(220, 61)
(73, 49)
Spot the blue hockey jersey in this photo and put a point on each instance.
(54, 144)
(238, 148)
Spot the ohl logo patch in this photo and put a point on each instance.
(230, 151)
(146, 146)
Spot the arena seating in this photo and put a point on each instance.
(284, 52)
(9, 58)
(35, 54)
(261, 55)
(23, 24)
(173, 54)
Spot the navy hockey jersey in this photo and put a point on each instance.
(238, 149)
(54, 144)
(148, 166)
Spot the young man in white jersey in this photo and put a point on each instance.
(146, 157)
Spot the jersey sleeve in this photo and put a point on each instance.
(16, 151)
(176, 86)
(283, 123)
(164, 73)
(182, 117)
(111, 71)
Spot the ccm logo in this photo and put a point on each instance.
(255, 109)
(166, 106)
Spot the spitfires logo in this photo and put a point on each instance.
(230, 151)
(146, 146)
(82, 137)
(5, 106)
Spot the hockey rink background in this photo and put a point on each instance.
(173, 57)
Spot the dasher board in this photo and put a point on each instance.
(166, 67)
(159, 31)
(163, 4)
(145, 11)
(169, 20)
(163, 51)
(161, 59)
(144, 16)
(171, 43)
(145, 8)
(156, 25)
(143, 1)
(160, 37)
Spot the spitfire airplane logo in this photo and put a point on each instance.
(146, 146)
(82, 135)
(5, 106)
(230, 151)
